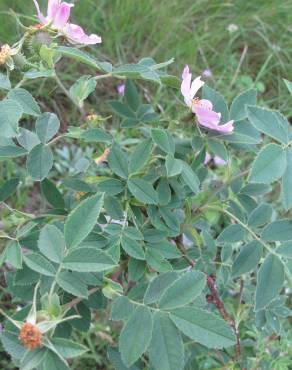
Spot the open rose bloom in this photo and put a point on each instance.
(58, 14)
(203, 108)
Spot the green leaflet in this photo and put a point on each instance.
(82, 220)
(270, 280)
(39, 264)
(39, 162)
(47, 125)
(118, 161)
(143, 191)
(269, 123)
(269, 165)
(52, 243)
(163, 140)
(72, 284)
(238, 109)
(87, 259)
(232, 234)
(8, 188)
(287, 182)
(68, 349)
(10, 114)
(136, 335)
(166, 350)
(25, 100)
(183, 291)
(247, 259)
(280, 230)
(203, 327)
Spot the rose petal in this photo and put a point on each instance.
(227, 127)
(42, 18)
(76, 35)
(196, 85)
(62, 15)
(186, 86)
(53, 7)
(206, 117)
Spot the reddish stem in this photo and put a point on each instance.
(214, 296)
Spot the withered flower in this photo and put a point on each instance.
(30, 336)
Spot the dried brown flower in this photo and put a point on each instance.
(5, 53)
(103, 157)
(30, 336)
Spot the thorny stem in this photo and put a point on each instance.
(214, 295)
(220, 307)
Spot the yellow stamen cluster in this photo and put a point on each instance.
(5, 53)
(196, 101)
(91, 117)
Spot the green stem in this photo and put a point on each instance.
(5, 236)
(66, 92)
(55, 282)
(101, 77)
(28, 215)
(52, 142)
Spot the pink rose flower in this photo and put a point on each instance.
(58, 14)
(202, 108)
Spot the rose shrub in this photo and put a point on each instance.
(181, 233)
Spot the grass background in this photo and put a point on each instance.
(196, 32)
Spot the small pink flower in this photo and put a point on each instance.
(218, 161)
(207, 158)
(121, 89)
(207, 73)
(202, 108)
(58, 14)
